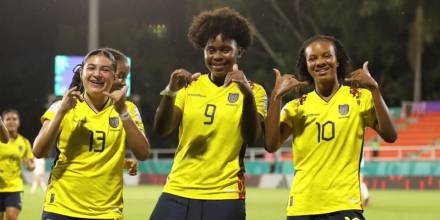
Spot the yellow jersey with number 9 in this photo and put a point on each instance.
(208, 162)
(86, 178)
(327, 150)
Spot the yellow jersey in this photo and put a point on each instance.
(327, 150)
(11, 156)
(208, 163)
(86, 178)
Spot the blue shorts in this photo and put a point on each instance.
(54, 216)
(346, 214)
(10, 199)
(172, 207)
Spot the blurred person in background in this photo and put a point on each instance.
(39, 174)
(218, 114)
(12, 154)
(327, 125)
(91, 130)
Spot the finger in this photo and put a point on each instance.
(276, 72)
(71, 90)
(227, 80)
(110, 95)
(303, 83)
(195, 76)
(235, 67)
(365, 66)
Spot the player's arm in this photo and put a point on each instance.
(136, 139)
(251, 122)
(168, 116)
(4, 134)
(277, 132)
(384, 126)
(51, 128)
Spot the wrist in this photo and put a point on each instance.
(168, 92)
(125, 115)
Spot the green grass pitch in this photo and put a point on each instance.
(270, 204)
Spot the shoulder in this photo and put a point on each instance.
(358, 93)
(22, 138)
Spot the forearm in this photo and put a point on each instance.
(272, 124)
(47, 136)
(164, 123)
(136, 140)
(250, 121)
(4, 134)
(385, 126)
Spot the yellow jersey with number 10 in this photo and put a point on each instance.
(327, 150)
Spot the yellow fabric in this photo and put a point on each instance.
(86, 180)
(11, 156)
(327, 149)
(207, 164)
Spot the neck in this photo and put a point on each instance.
(219, 81)
(96, 103)
(327, 89)
(13, 134)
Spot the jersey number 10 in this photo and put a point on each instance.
(326, 136)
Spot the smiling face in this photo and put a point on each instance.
(220, 55)
(97, 75)
(12, 121)
(321, 61)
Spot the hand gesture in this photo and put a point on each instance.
(238, 77)
(285, 83)
(29, 164)
(181, 78)
(69, 99)
(118, 98)
(131, 165)
(362, 78)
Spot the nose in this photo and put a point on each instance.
(217, 55)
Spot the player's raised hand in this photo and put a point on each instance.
(237, 76)
(131, 165)
(181, 78)
(285, 83)
(69, 99)
(118, 96)
(362, 78)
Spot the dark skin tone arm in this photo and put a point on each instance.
(384, 126)
(168, 116)
(276, 132)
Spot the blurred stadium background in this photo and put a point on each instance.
(400, 39)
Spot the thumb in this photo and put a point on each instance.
(276, 72)
(365, 66)
(108, 95)
(235, 67)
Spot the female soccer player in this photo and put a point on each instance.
(16, 150)
(327, 126)
(90, 131)
(218, 115)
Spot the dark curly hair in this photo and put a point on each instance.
(225, 21)
(341, 56)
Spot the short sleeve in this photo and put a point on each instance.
(180, 98)
(28, 150)
(50, 113)
(260, 99)
(135, 115)
(368, 111)
(288, 112)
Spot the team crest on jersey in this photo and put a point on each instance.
(344, 109)
(114, 122)
(233, 97)
(20, 148)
